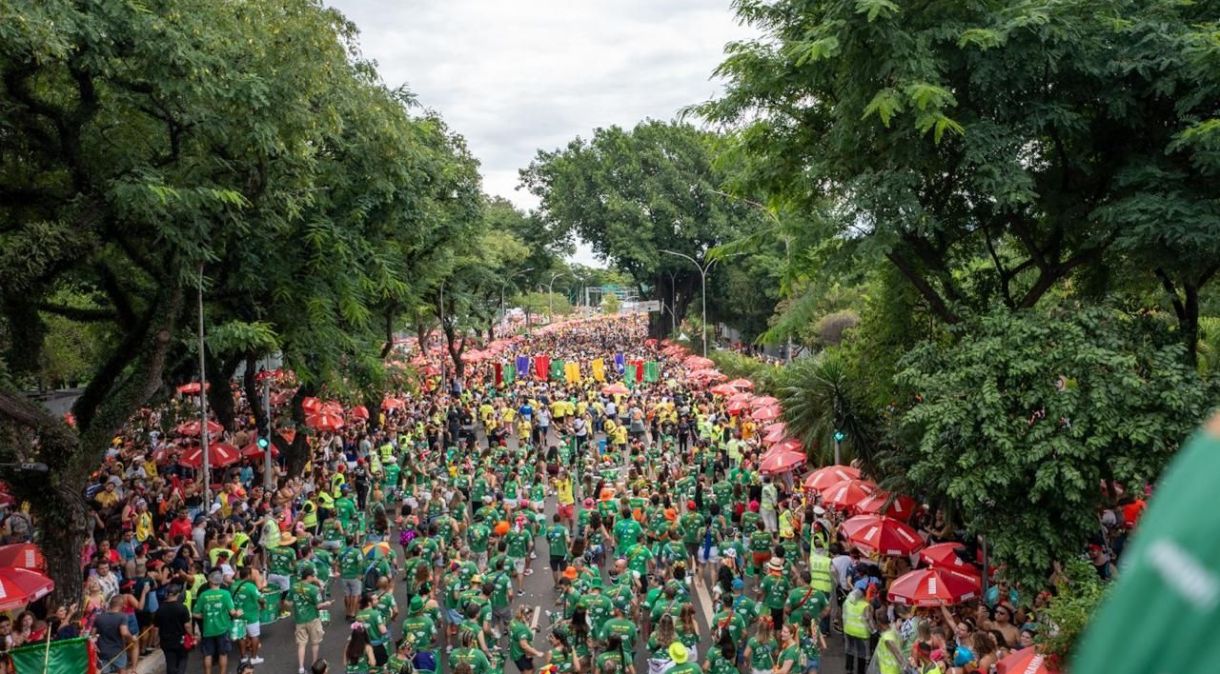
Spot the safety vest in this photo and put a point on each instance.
(854, 622)
(327, 502)
(309, 514)
(887, 662)
(198, 581)
(819, 573)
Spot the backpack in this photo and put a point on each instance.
(371, 576)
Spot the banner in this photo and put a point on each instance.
(599, 369)
(652, 371)
(619, 361)
(542, 366)
(510, 373)
(557, 367)
(66, 656)
(499, 374)
(571, 373)
(638, 371)
(523, 365)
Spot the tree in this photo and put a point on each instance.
(820, 399)
(989, 151)
(1022, 415)
(633, 193)
(611, 305)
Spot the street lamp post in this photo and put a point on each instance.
(703, 280)
(519, 272)
(445, 339)
(203, 405)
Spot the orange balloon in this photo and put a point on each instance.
(501, 528)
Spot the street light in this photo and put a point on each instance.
(550, 315)
(703, 278)
(519, 272)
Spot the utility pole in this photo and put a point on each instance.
(703, 269)
(268, 478)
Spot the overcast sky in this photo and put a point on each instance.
(517, 76)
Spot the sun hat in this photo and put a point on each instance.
(775, 565)
(677, 652)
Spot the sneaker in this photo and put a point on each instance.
(300, 670)
(520, 593)
(256, 660)
(529, 572)
(533, 555)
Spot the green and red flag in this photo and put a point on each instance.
(65, 656)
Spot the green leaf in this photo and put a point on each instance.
(885, 104)
(817, 50)
(983, 38)
(876, 8)
(926, 96)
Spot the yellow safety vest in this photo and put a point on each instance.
(309, 514)
(326, 501)
(819, 573)
(854, 622)
(887, 662)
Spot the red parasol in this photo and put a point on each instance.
(220, 454)
(767, 414)
(19, 587)
(944, 556)
(788, 445)
(742, 384)
(393, 404)
(828, 476)
(22, 556)
(331, 407)
(311, 404)
(698, 363)
(773, 433)
(763, 401)
(883, 535)
(325, 422)
(194, 428)
(901, 508)
(723, 390)
(1026, 661)
(253, 451)
(360, 412)
(738, 407)
(782, 461)
(193, 388)
(741, 397)
(932, 587)
(707, 375)
(846, 494)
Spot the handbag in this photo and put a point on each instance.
(188, 642)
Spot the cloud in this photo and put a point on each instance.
(518, 76)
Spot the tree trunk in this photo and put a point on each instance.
(296, 454)
(220, 394)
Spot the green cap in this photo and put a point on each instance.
(417, 604)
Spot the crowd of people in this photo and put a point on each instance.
(414, 532)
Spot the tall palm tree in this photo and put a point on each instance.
(819, 398)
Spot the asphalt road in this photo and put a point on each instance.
(279, 649)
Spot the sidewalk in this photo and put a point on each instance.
(153, 663)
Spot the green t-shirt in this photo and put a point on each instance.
(557, 538)
(332, 530)
(477, 536)
(518, 630)
(305, 598)
(691, 525)
(801, 612)
(246, 596)
(731, 622)
(627, 533)
(623, 628)
(562, 659)
(477, 659)
(283, 560)
(775, 591)
(373, 621)
(762, 654)
(518, 541)
(717, 664)
(790, 654)
(214, 606)
(423, 629)
(760, 541)
(345, 508)
(685, 668)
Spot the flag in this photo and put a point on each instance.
(510, 373)
(638, 371)
(619, 361)
(542, 366)
(66, 656)
(652, 371)
(599, 369)
(523, 365)
(557, 367)
(571, 373)
(499, 374)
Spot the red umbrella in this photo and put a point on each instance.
(763, 401)
(253, 451)
(741, 397)
(932, 587)
(193, 388)
(828, 476)
(280, 398)
(884, 535)
(616, 388)
(331, 407)
(846, 494)
(944, 556)
(220, 454)
(310, 404)
(723, 390)
(788, 445)
(325, 422)
(742, 384)
(775, 432)
(707, 375)
(698, 363)
(767, 414)
(902, 507)
(472, 356)
(738, 407)
(19, 587)
(782, 461)
(1026, 661)
(393, 404)
(360, 412)
(22, 556)
(194, 428)
(651, 342)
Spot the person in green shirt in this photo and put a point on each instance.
(281, 563)
(615, 652)
(520, 641)
(761, 648)
(560, 655)
(249, 601)
(619, 626)
(773, 590)
(517, 548)
(374, 623)
(305, 597)
(626, 532)
(419, 626)
(467, 654)
(215, 610)
(477, 535)
(788, 661)
(345, 507)
(805, 603)
(351, 574)
(679, 656)
(557, 538)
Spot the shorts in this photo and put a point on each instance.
(813, 665)
(502, 615)
(453, 616)
(254, 630)
(712, 556)
(214, 646)
(380, 655)
(567, 511)
(525, 664)
(518, 564)
(143, 619)
(353, 587)
(558, 563)
(309, 633)
(692, 549)
(761, 558)
(119, 663)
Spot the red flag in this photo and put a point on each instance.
(499, 374)
(639, 371)
(542, 367)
